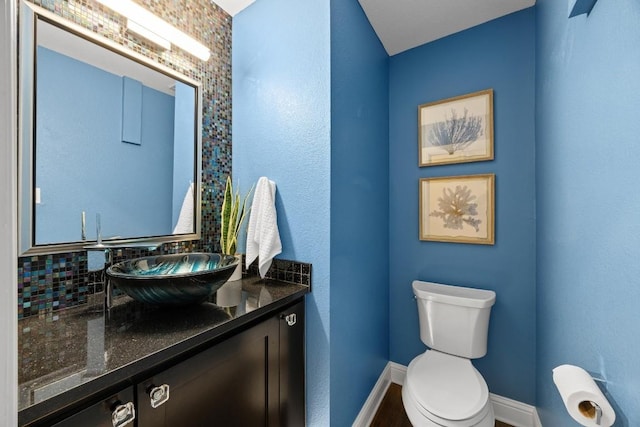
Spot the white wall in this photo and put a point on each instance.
(8, 227)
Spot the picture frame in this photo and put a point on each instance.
(456, 130)
(458, 209)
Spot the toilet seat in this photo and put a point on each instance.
(447, 390)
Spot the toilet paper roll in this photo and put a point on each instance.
(582, 397)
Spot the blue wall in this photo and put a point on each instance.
(281, 129)
(498, 55)
(78, 145)
(577, 99)
(359, 202)
(588, 104)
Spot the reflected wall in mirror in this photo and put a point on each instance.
(110, 142)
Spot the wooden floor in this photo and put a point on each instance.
(391, 412)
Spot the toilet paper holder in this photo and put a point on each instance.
(583, 395)
(591, 410)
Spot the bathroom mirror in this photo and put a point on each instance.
(109, 142)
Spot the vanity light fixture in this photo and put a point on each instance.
(146, 22)
(138, 29)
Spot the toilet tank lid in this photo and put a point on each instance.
(455, 295)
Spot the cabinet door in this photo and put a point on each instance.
(292, 362)
(234, 383)
(116, 410)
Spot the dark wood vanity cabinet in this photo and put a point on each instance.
(252, 378)
(234, 383)
(292, 362)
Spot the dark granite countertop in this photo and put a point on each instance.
(68, 355)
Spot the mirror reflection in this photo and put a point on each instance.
(114, 145)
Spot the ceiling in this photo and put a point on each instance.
(233, 6)
(405, 24)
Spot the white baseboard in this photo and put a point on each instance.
(515, 413)
(509, 411)
(370, 407)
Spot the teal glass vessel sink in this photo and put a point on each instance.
(177, 279)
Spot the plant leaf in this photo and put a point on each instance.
(227, 203)
(234, 211)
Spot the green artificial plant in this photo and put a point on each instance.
(234, 210)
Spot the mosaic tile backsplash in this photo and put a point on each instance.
(51, 282)
(283, 270)
(48, 283)
(57, 281)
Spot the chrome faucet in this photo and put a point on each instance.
(106, 262)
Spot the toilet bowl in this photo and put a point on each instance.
(442, 388)
(445, 390)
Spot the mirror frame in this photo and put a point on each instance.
(29, 15)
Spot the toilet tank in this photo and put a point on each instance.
(454, 319)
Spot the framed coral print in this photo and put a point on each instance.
(456, 130)
(458, 209)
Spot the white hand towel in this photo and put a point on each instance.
(184, 225)
(263, 237)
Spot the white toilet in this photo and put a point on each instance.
(442, 387)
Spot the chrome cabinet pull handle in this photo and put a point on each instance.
(123, 414)
(159, 395)
(291, 319)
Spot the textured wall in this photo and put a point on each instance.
(360, 200)
(212, 26)
(588, 98)
(281, 115)
(498, 55)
